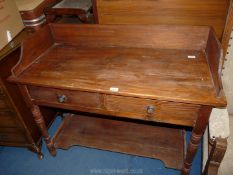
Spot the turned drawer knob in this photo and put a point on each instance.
(150, 109)
(61, 98)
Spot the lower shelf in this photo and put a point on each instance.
(166, 144)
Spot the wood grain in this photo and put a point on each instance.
(166, 112)
(147, 73)
(7, 119)
(30, 53)
(129, 107)
(75, 98)
(176, 12)
(215, 59)
(12, 137)
(120, 136)
(3, 104)
(136, 36)
(215, 13)
(217, 150)
(196, 137)
(128, 68)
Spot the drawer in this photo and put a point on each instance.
(146, 109)
(65, 97)
(7, 119)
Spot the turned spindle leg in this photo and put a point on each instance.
(198, 130)
(41, 125)
(36, 148)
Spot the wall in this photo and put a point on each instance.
(228, 76)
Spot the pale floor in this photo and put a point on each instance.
(226, 167)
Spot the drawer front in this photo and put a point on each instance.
(177, 113)
(8, 119)
(65, 97)
(131, 107)
(145, 109)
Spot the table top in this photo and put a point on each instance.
(159, 74)
(181, 75)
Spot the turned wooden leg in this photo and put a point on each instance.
(198, 130)
(36, 149)
(39, 119)
(41, 125)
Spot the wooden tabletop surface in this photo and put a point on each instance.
(142, 72)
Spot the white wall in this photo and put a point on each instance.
(228, 77)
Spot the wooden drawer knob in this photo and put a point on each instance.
(150, 109)
(61, 98)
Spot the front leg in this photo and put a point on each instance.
(39, 119)
(198, 130)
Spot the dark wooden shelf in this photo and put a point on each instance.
(166, 144)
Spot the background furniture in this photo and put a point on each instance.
(17, 127)
(219, 132)
(216, 13)
(80, 9)
(32, 12)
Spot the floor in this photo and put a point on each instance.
(226, 167)
(82, 161)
